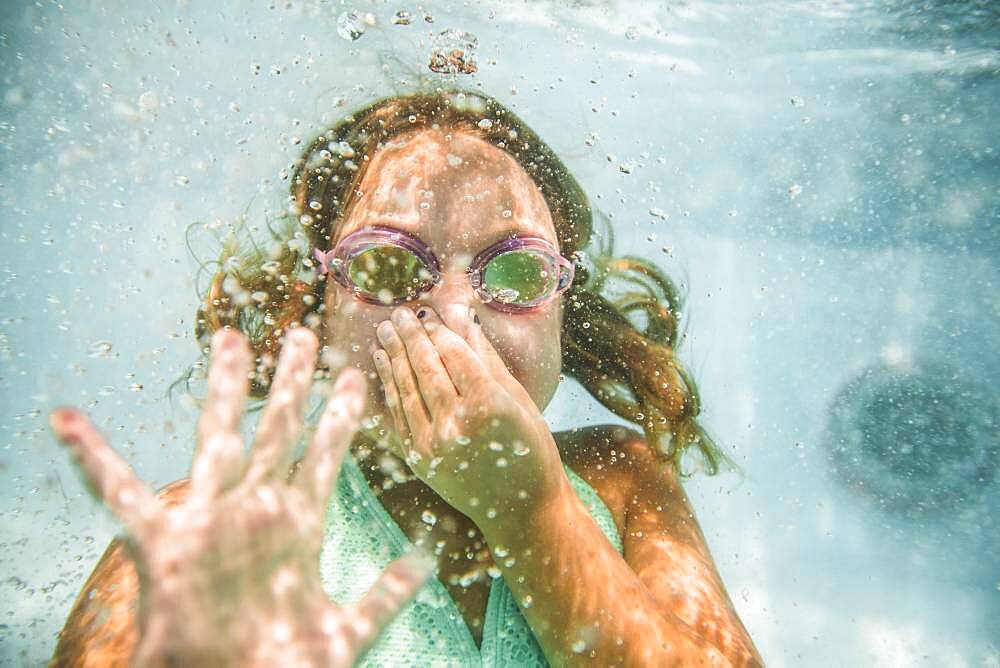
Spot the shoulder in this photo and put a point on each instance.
(620, 465)
(609, 450)
(101, 628)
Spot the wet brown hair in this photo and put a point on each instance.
(620, 323)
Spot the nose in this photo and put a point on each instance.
(453, 288)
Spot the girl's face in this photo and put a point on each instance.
(459, 195)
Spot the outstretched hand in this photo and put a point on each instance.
(231, 575)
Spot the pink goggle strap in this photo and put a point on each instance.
(323, 259)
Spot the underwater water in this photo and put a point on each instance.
(821, 178)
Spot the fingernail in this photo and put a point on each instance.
(221, 341)
(60, 419)
(384, 332)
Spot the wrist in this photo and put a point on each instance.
(520, 517)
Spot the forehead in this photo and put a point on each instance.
(449, 188)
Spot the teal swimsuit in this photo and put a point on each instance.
(361, 540)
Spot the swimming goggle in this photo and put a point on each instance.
(386, 266)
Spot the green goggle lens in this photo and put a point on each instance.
(519, 277)
(388, 273)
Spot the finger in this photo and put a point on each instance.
(436, 386)
(406, 440)
(464, 366)
(282, 419)
(217, 460)
(110, 478)
(334, 432)
(383, 367)
(394, 589)
(417, 415)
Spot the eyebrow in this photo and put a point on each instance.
(518, 233)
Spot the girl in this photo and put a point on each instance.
(438, 246)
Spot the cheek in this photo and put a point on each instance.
(350, 332)
(531, 351)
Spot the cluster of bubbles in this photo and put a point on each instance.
(453, 51)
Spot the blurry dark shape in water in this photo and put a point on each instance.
(454, 53)
(917, 440)
(402, 18)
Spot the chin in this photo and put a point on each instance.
(541, 388)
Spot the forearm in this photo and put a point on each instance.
(582, 600)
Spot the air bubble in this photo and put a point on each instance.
(506, 295)
(454, 53)
(149, 101)
(345, 150)
(100, 350)
(351, 25)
